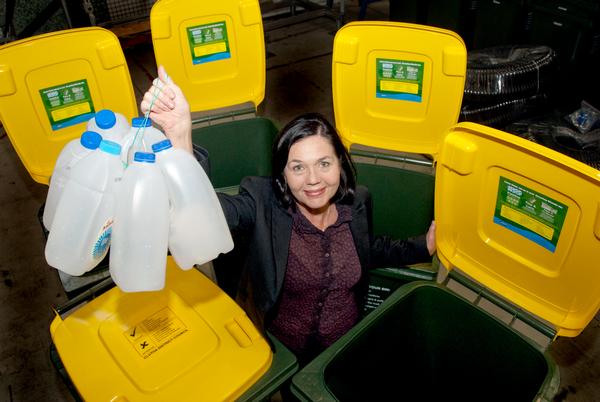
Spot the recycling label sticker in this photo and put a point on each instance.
(155, 332)
(209, 42)
(67, 104)
(529, 213)
(400, 79)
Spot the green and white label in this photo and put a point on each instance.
(68, 104)
(529, 213)
(400, 79)
(209, 42)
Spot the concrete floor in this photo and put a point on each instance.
(298, 80)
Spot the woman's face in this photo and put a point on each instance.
(312, 173)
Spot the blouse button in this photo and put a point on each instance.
(326, 254)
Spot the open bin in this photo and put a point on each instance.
(382, 121)
(517, 226)
(187, 342)
(425, 343)
(215, 52)
(50, 86)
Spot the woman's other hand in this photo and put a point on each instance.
(430, 238)
(170, 110)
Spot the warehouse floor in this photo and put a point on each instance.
(298, 80)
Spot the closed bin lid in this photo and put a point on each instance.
(397, 86)
(187, 342)
(213, 50)
(522, 220)
(52, 84)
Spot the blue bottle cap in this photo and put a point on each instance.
(162, 145)
(90, 139)
(147, 157)
(110, 147)
(139, 122)
(105, 119)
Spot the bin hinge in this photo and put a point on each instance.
(64, 309)
(223, 115)
(518, 319)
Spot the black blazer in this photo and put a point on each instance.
(258, 215)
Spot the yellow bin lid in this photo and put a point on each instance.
(523, 220)
(51, 84)
(188, 342)
(519, 218)
(397, 86)
(213, 50)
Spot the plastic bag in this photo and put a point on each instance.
(585, 118)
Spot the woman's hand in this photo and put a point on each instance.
(430, 238)
(170, 110)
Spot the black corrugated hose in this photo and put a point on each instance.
(508, 71)
(506, 83)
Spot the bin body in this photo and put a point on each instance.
(427, 343)
(237, 149)
(384, 281)
(402, 199)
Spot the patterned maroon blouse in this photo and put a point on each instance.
(318, 304)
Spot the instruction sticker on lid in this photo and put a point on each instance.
(400, 79)
(530, 214)
(68, 104)
(155, 332)
(209, 42)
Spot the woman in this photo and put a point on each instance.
(308, 228)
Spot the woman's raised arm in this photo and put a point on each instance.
(169, 109)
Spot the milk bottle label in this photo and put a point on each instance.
(103, 242)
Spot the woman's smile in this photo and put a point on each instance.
(314, 193)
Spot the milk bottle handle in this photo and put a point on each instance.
(140, 124)
(146, 118)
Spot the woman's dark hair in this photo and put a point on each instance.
(302, 127)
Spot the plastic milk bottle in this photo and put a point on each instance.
(198, 230)
(111, 126)
(82, 225)
(71, 153)
(138, 253)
